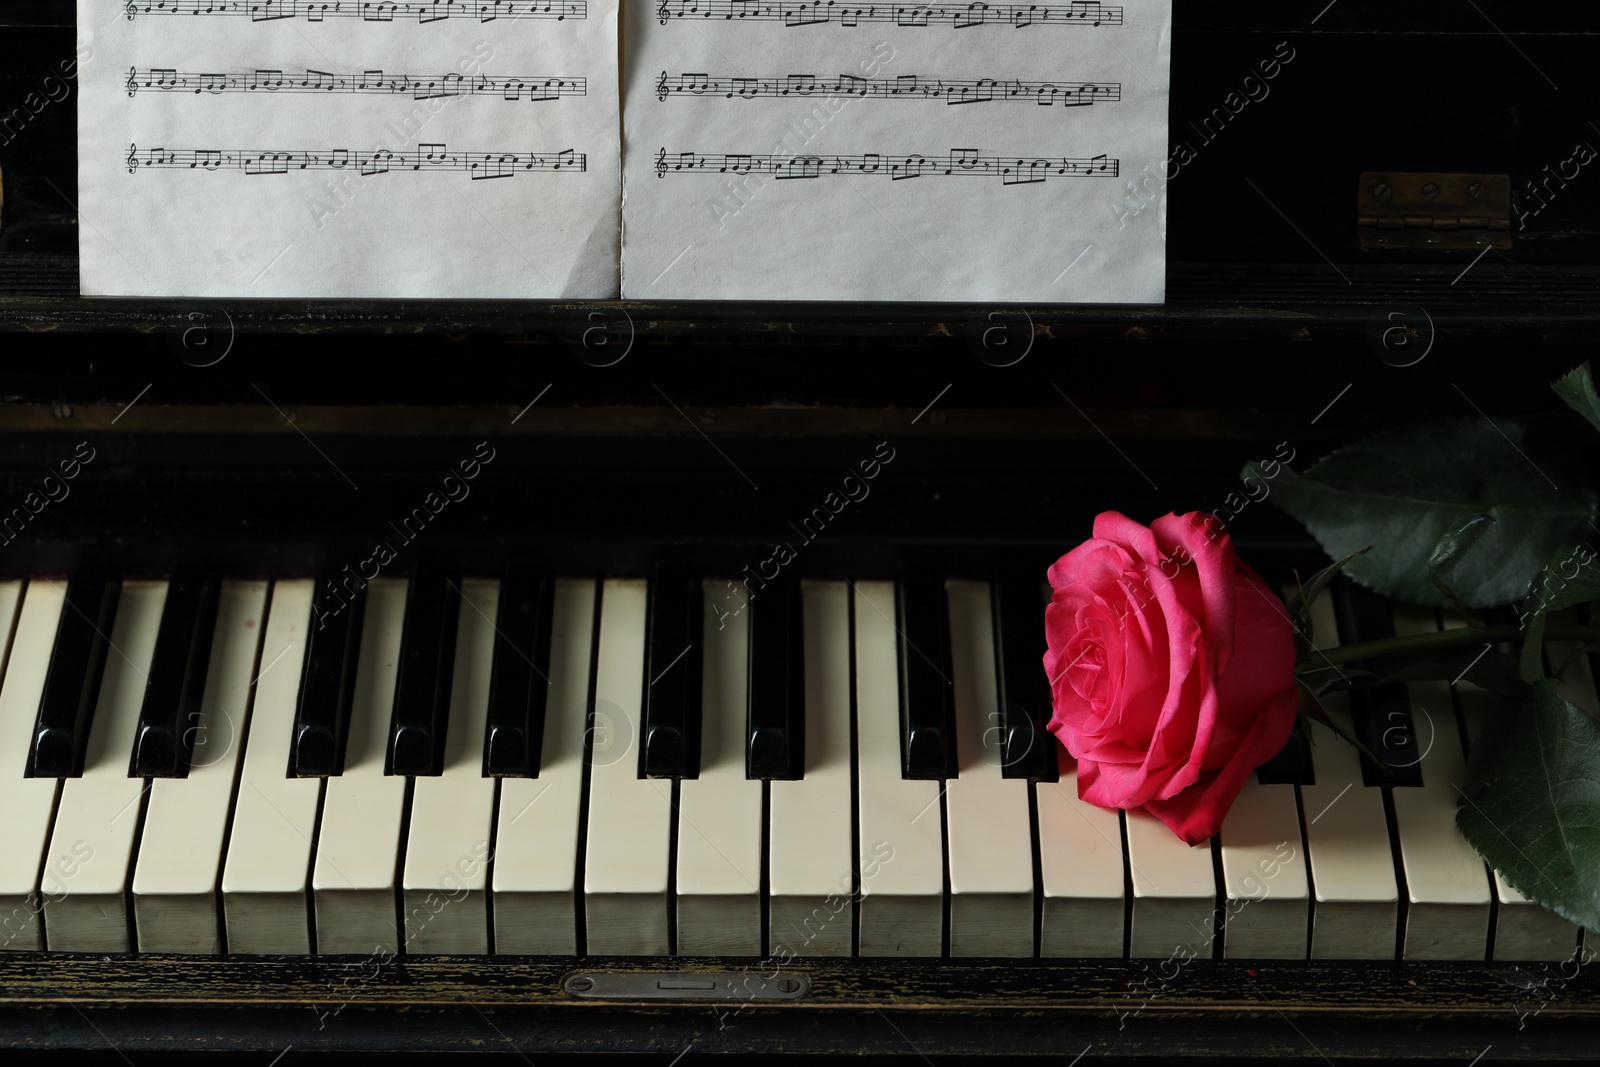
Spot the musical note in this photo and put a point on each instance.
(959, 161)
(422, 86)
(956, 14)
(381, 161)
(901, 87)
(133, 84)
(367, 10)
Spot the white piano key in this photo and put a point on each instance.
(1174, 891)
(990, 834)
(719, 813)
(98, 817)
(446, 906)
(1446, 879)
(628, 851)
(536, 837)
(1347, 834)
(28, 803)
(266, 878)
(186, 819)
(811, 873)
(358, 843)
(1266, 907)
(901, 829)
(1081, 861)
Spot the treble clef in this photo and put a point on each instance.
(661, 12)
(661, 163)
(133, 86)
(661, 87)
(133, 158)
(132, 10)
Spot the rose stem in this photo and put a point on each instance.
(1457, 638)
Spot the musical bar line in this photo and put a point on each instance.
(903, 87)
(958, 15)
(420, 86)
(1012, 170)
(425, 157)
(366, 10)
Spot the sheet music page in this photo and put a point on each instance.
(873, 150)
(349, 148)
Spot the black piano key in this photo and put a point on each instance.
(72, 681)
(422, 684)
(1292, 765)
(519, 682)
(775, 738)
(328, 681)
(1384, 719)
(926, 698)
(164, 741)
(1026, 748)
(671, 746)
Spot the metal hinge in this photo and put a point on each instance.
(1434, 210)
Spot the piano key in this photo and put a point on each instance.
(98, 817)
(810, 869)
(266, 878)
(627, 852)
(719, 813)
(774, 737)
(27, 802)
(358, 842)
(901, 830)
(328, 681)
(1446, 879)
(177, 679)
(989, 833)
(1266, 908)
(536, 833)
(186, 819)
(1347, 834)
(1174, 891)
(1383, 717)
(927, 716)
(1082, 869)
(1027, 748)
(671, 746)
(446, 880)
(520, 683)
(422, 685)
(72, 684)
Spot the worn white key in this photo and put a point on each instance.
(186, 819)
(1266, 907)
(536, 838)
(719, 813)
(1347, 834)
(1081, 861)
(1174, 891)
(358, 844)
(811, 872)
(27, 802)
(901, 829)
(627, 854)
(990, 837)
(98, 818)
(266, 879)
(1446, 878)
(452, 813)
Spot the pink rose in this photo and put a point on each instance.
(1171, 665)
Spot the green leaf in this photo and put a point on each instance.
(1306, 595)
(1533, 649)
(1532, 803)
(1403, 490)
(1577, 389)
(1451, 547)
(1571, 578)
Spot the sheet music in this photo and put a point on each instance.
(848, 149)
(349, 148)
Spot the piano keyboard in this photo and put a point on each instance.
(579, 766)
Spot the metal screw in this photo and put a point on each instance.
(1382, 192)
(1476, 190)
(788, 985)
(708, 417)
(1431, 191)
(63, 411)
(580, 985)
(936, 417)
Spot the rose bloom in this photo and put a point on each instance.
(1171, 665)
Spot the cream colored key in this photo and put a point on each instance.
(186, 819)
(28, 803)
(536, 836)
(1080, 857)
(989, 837)
(1174, 891)
(719, 813)
(901, 834)
(266, 880)
(1266, 913)
(447, 844)
(98, 817)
